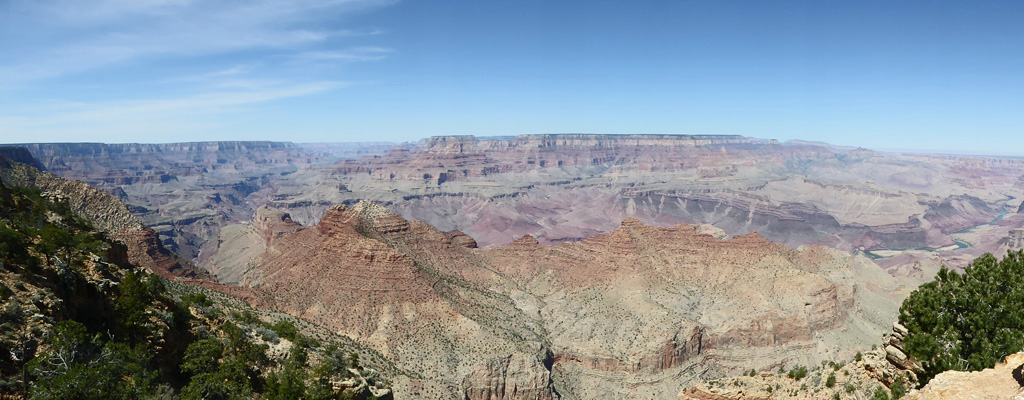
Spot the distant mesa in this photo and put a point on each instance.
(556, 187)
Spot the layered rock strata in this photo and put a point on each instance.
(879, 369)
(564, 188)
(187, 191)
(634, 313)
(899, 365)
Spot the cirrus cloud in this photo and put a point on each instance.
(116, 63)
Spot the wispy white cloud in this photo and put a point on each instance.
(358, 33)
(149, 115)
(218, 76)
(238, 69)
(167, 64)
(197, 104)
(69, 36)
(353, 54)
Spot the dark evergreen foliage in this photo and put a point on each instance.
(123, 336)
(969, 321)
(797, 373)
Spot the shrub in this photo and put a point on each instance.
(55, 240)
(246, 317)
(880, 394)
(13, 246)
(79, 365)
(797, 373)
(134, 299)
(202, 356)
(290, 381)
(831, 381)
(197, 299)
(12, 312)
(898, 389)
(286, 330)
(970, 321)
(268, 335)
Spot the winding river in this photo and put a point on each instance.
(960, 244)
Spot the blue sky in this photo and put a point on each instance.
(931, 75)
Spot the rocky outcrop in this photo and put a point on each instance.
(561, 188)
(702, 392)
(896, 365)
(880, 369)
(363, 384)
(228, 257)
(272, 225)
(1015, 240)
(990, 384)
(334, 266)
(515, 377)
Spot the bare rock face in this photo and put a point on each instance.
(359, 387)
(850, 380)
(337, 240)
(515, 377)
(702, 392)
(638, 312)
(896, 364)
(237, 244)
(1016, 239)
(877, 369)
(272, 225)
(989, 384)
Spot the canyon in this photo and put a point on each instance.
(903, 209)
(637, 312)
(568, 266)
